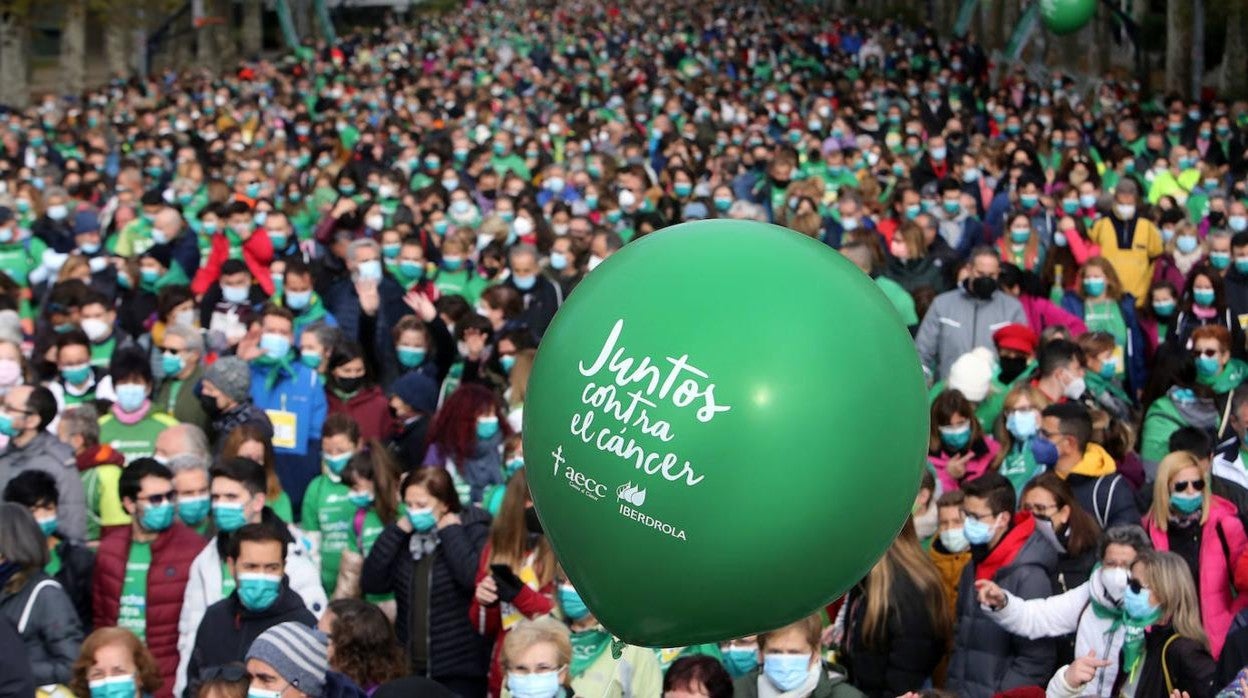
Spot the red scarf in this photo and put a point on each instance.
(1007, 549)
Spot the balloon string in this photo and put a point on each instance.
(617, 648)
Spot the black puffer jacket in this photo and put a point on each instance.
(1190, 667)
(77, 564)
(910, 648)
(228, 629)
(455, 648)
(986, 658)
(51, 630)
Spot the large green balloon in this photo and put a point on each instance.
(1066, 16)
(724, 429)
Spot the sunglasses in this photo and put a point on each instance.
(229, 672)
(1196, 485)
(1209, 353)
(1135, 585)
(159, 499)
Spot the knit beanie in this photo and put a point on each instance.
(231, 376)
(972, 374)
(298, 654)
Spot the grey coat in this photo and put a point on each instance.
(49, 454)
(957, 322)
(48, 626)
(986, 658)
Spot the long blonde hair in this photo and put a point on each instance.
(904, 556)
(1171, 581)
(519, 376)
(1167, 470)
(509, 537)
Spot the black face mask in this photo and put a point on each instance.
(780, 183)
(1216, 218)
(349, 385)
(532, 523)
(981, 287)
(1011, 367)
(210, 406)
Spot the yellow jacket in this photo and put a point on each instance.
(1134, 264)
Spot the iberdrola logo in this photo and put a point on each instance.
(631, 494)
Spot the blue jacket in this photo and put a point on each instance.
(1136, 368)
(304, 395)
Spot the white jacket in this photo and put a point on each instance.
(203, 589)
(1066, 613)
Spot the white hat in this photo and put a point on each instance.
(972, 374)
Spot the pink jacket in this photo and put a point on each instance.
(975, 467)
(1042, 313)
(1217, 604)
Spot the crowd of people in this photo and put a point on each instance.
(265, 339)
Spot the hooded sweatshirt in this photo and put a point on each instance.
(1101, 491)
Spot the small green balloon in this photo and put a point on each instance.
(724, 429)
(1066, 16)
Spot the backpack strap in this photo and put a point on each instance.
(1102, 517)
(30, 603)
(1230, 565)
(1226, 417)
(1165, 667)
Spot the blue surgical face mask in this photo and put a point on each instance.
(422, 520)
(544, 685)
(977, 532)
(235, 294)
(1204, 297)
(337, 463)
(113, 687)
(956, 438)
(1023, 424)
(1087, 200)
(311, 359)
(1207, 365)
(1163, 308)
(411, 357)
(275, 346)
(48, 525)
(954, 540)
(229, 516)
(513, 466)
(1044, 451)
(1094, 287)
(1137, 603)
(507, 361)
(258, 592)
(1186, 503)
(1109, 368)
(786, 671)
(740, 661)
(298, 300)
(487, 427)
(1220, 260)
(157, 517)
(130, 396)
(369, 270)
(193, 510)
(571, 603)
(360, 499)
(171, 364)
(76, 375)
(1186, 243)
(524, 283)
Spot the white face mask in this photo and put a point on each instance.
(375, 221)
(627, 199)
(1125, 211)
(1114, 579)
(1075, 389)
(522, 226)
(594, 261)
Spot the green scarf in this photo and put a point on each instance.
(314, 312)
(1133, 642)
(1228, 378)
(276, 368)
(1099, 384)
(587, 647)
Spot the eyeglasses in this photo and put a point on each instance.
(978, 517)
(1135, 585)
(158, 499)
(1039, 508)
(539, 669)
(171, 350)
(1209, 353)
(1196, 485)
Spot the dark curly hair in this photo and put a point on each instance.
(147, 676)
(365, 646)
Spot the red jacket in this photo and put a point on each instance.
(172, 554)
(488, 620)
(369, 408)
(257, 253)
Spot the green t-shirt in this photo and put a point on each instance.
(460, 283)
(54, 561)
(1106, 316)
(134, 440)
(1019, 466)
(227, 580)
(17, 261)
(328, 511)
(133, 614)
(281, 506)
(102, 353)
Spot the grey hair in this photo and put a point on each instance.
(747, 211)
(21, 541)
(82, 420)
(328, 335)
(194, 340)
(360, 244)
(1128, 534)
(522, 249)
(194, 442)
